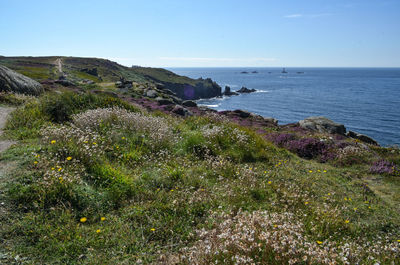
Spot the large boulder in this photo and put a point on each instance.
(322, 125)
(15, 82)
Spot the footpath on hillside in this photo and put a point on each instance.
(4, 112)
(5, 168)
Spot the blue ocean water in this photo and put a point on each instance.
(366, 100)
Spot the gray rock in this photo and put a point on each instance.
(164, 101)
(271, 120)
(169, 92)
(228, 92)
(242, 113)
(15, 82)
(160, 86)
(151, 93)
(322, 125)
(362, 137)
(246, 90)
(189, 103)
(64, 82)
(181, 111)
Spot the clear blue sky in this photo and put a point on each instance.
(171, 33)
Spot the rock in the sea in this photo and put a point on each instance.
(362, 137)
(189, 103)
(228, 92)
(14, 82)
(246, 90)
(322, 125)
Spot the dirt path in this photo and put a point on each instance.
(4, 112)
(5, 168)
(58, 64)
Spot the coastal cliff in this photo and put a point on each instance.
(122, 169)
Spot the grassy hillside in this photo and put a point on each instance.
(41, 68)
(96, 180)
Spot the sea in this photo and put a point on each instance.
(365, 100)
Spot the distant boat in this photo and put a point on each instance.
(284, 71)
(300, 72)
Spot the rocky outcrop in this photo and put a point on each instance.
(362, 137)
(14, 82)
(122, 83)
(246, 90)
(228, 92)
(64, 82)
(189, 103)
(181, 111)
(204, 88)
(246, 118)
(164, 101)
(322, 125)
(92, 71)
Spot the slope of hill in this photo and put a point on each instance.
(102, 71)
(104, 175)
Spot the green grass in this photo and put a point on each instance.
(155, 190)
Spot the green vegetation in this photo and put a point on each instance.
(41, 68)
(98, 181)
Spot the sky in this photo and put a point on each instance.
(203, 33)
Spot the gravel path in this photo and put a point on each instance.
(4, 112)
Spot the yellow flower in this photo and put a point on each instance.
(319, 170)
(52, 168)
(310, 171)
(83, 219)
(123, 138)
(265, 172)
(269, 182)
(324, 171)
(345, 198)
(59, 169)
(329, 194)
(98, 231)
(35, 162)
(398, 240)
(366, 202)
(60, 178)
(347, 221)
(69, 158)
(319, 242)
(349, 199)
(53, 142)
(153, 229)
(275, 226)
(355, 208)
(172, 190)
(306, 203)
(102, 218)
(369, 207)
(94, 143)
